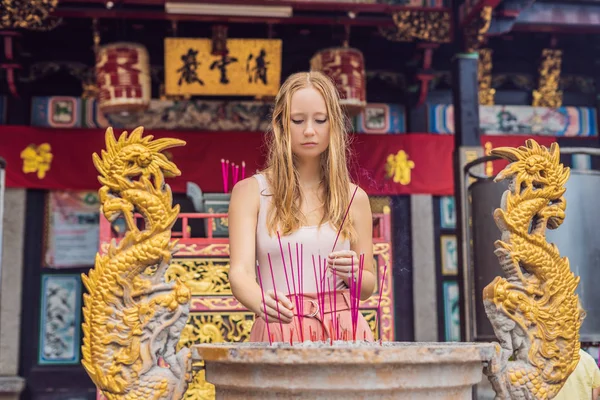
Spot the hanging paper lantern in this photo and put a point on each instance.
(346, 67)
(123, 78)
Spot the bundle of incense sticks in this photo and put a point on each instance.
(235, 173)
(355, 290)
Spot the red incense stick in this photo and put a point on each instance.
(297, 300)
(275, 292)
(243, 169)
(224, 175)
(235, 169)
(300, 266)
(379, 301)
(352, 296)
(298, 293)
(331, 306)
(262, 292)
(286, 276)
(344, 219)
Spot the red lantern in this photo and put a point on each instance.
(346, 67)
(123, 78)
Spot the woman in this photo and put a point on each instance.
(301, 198)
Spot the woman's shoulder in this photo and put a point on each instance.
(360, 195)
(245, 191)
(360, 199)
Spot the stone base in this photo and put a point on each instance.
(344, 371)
(11, 387)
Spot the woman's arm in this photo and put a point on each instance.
(243, 216)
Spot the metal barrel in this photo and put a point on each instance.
(2, 183)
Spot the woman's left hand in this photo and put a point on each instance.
(344, 263)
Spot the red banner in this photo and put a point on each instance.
(53, 159)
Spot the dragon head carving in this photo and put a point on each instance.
(133, 155)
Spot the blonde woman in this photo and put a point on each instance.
(301, 197)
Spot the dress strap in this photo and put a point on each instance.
(263, 186)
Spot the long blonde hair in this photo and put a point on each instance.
(283, 176)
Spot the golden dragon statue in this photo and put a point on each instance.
(133, 317)
(534, 310)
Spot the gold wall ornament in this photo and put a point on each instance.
(534, 310)
(428, 26)
(28, 14)
(37, 159)
(204, 276)
(133, 317)
(398, 167)
(477, 29)
(484, 74)
(547, 93)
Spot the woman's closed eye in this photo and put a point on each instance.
(297, 121)
(321, 121)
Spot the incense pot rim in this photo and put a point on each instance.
(345, 352)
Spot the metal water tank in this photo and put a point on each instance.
(578, 238)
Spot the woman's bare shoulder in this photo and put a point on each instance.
(245, 193)
(246, 187)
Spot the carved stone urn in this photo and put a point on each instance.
(344, 370)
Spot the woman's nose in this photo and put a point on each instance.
(309, 130)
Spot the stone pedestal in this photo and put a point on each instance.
(344, 370)
(11, 387)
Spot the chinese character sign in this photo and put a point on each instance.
(123, 77)
(250, 67)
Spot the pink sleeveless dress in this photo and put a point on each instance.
(295, 266)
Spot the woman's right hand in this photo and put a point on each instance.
(285, 313)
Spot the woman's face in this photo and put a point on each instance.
(309, 125)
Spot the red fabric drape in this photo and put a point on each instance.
(381, 164)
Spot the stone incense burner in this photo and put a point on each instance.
(344, 370)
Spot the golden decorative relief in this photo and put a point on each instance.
(211, 327)
(534, 310)
(215, 303)
(28, 14)
(371, 318)
(547, 93)
(199, 389)
(132, 317)
(476, 31)
(379, 203)
(484, 76)
(204, 276)
(214, 250)
(428, 26)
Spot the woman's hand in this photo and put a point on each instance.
(344, 263)
(285, 306)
